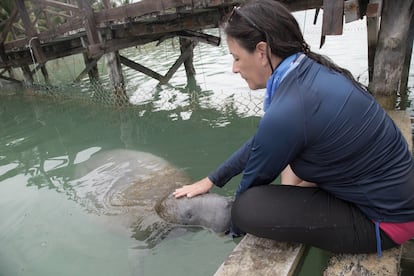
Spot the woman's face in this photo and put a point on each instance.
(252, 67)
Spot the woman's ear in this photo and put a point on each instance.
(261, 49)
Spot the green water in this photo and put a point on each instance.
(46, 228)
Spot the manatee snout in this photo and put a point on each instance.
(208, 210)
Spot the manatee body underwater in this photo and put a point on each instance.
(125, 187)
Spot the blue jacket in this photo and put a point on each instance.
(332, 133)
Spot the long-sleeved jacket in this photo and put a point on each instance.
(332, 133)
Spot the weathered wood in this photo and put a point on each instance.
(262, 257)
(301, 5)
(372, 39)
(88, 67)
(351, 10)
(60, 5)
(391, 49)
(116, 77)
(187, 53)
(33, 40)
(93, 73)
(10, 79)
(8, 25)
(27, 75)
(365, 264)
(332, 18)
(188, 45)
(140, 68)
(407, 61)
(93, 49)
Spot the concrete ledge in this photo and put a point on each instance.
(259, 256)
(365, 264)
(402, 119)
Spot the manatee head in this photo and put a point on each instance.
(208, 210)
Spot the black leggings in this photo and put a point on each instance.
(306, 215)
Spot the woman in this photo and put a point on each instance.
(347, 169)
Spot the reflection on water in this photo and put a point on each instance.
(46, 227)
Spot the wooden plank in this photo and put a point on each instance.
(332, 17)
(365, 264)
(262, 257)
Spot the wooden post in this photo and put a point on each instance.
(93, 47)
(27, 75)
(113, 64)
(93, 73)
(117, 79)
(391, 49)
(373, 13)
(33, 40)
(406, 67)
(188, 44)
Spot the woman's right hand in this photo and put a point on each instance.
(197, 188)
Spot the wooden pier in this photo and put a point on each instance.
(34, 32)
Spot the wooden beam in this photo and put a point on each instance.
(89, 67)
(183, 57)
(10, 79)
(141, 68)
(61, 5)
(49, 11)
(200, 37)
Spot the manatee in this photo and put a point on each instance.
(124, 187)
(208, 210)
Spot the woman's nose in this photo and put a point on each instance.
(235, 68)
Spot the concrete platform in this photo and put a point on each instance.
(365, 264)
(258, 256)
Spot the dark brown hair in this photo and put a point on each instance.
(272, 22)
